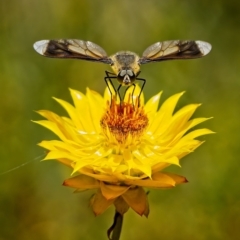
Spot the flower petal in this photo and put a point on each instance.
(136, 198)
(95, 99)
(112, 191)
(165, 112)
(152, 104)
(101, 177)
(134, 93)
(65, 161)
(160, 166)
(81, 182)
(71, 112)
(109, 94)
(121, 206)
(159, 180)
(151, 107)
(190, 124)
(119, 148)
(82, 106)
(177, 122)
(52, 127)
(99, 203)
(177, 178)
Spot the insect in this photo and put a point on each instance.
(125, 64)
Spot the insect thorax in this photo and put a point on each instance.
(125, 66)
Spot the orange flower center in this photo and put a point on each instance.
(124, 120)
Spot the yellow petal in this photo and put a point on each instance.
(51, 116)
(133, 93)
(109, 94)
(71, 112)
(177, 122)
(82, 109)
(160, 166)
(173, 160)
(53, 127)
(151, 107)
(60, 126)
(65, 161)
(96, 106)
(194, 134)
(100, 177)
(152, 104)
(165, 112)
(79, 99)
(55, 145)
(190, 124)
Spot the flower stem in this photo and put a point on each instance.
(114, 231)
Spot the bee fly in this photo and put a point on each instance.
(125, 64)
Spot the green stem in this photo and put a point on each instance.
(114, 231)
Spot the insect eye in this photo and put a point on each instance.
(130, 73)
(122, 73)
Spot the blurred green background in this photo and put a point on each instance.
(33, 204)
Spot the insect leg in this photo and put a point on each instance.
(132, 95)
(134, 86)
(144, 81)
(108, 81)
(126, 91)
(118, 89)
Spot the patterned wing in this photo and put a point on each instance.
(176, 49)
(72, 48)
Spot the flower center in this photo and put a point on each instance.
(125, 122)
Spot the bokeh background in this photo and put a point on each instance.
(33, 204)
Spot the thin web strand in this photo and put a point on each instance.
(22, 165)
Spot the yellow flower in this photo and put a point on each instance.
(118, 148)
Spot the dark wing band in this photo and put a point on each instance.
(176, 49)
(72, 48)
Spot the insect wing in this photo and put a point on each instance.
(175, 49)
(72, 48)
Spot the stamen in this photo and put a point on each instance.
(125, 121)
